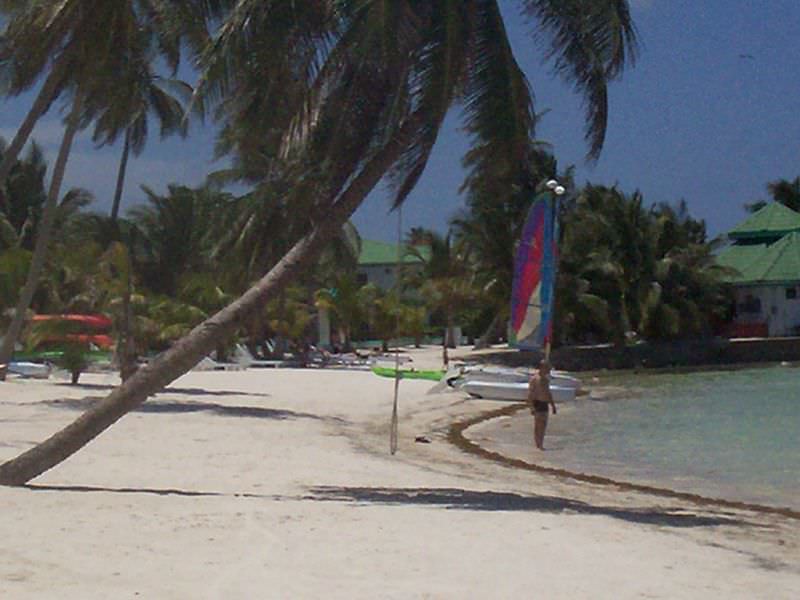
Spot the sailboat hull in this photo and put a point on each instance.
(512, 391)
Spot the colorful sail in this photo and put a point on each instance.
(533, 291)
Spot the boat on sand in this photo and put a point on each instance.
(499, 383)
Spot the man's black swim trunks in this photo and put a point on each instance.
(539, 406)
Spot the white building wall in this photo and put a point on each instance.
(776, 307)
(384, 276)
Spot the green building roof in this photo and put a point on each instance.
(756, 264)
(382, 253)
(772, 221)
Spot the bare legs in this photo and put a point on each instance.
(539, 427)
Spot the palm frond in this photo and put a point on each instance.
(589, 43)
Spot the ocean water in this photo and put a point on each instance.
(731, 434)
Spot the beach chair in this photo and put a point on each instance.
(245, 358)
(209, 364)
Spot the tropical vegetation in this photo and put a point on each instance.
(315, 109)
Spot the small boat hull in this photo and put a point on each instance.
(29, 369)
(513, 391)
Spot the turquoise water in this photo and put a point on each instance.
(733, 434)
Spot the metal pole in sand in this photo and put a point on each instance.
(393, 427)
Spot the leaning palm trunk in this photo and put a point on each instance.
(485, 340)
(42, 238)
(189, 350)
(44, 99)
(127, 356)
(123, 166)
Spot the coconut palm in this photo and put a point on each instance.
(20, 221)
(176, 234)
(140, 94)
(609, 241)
(786, 192)
(342, 300)
(42, 237)
(782, 190)
(625, 270)
(446, 280)
(82, 46)
(72, 41)
(689, 294)
(498, 200)
(24, 193)
(370, 108)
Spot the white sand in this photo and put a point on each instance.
(279, 484)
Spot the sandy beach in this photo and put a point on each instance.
(270, 483)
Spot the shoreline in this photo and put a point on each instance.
(458, 439)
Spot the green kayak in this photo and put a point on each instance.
(409, 373)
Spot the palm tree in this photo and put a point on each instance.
(141, 94)
(370, 108)
(786, 192)
(82, 46)
(341, 298)
(783, 191)
(499, 197)
(176, 234)
(82, 41)
(689, 294)
(42, 238)
(24, 193)
(627, 270)
(21, 218)
(445, 280)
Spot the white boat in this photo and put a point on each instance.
(500, 383)
(29, 369)
(557, 378)
(512, 390)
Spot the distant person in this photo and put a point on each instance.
(540, 400)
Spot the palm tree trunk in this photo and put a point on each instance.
(202, 339)
(42, 237)
(123, 166)
(44, 99)
(449, 333)
(488, 335)
(128, 355)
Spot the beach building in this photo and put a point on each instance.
(377, 264)
(764, 256)
(378, 261)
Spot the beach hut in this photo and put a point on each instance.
(377, 263)
(764, 257)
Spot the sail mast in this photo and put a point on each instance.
(533, 292)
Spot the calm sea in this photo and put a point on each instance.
(732, 434)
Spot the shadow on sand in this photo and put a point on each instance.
(150, 491)
(446, 498)
(170, 390)
(166, 407)
(460, 499)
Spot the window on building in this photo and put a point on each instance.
(791, 293)
(362, 279)
(751, 305)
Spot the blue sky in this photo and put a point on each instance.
(694, 120)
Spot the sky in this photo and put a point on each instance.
(709, 113)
